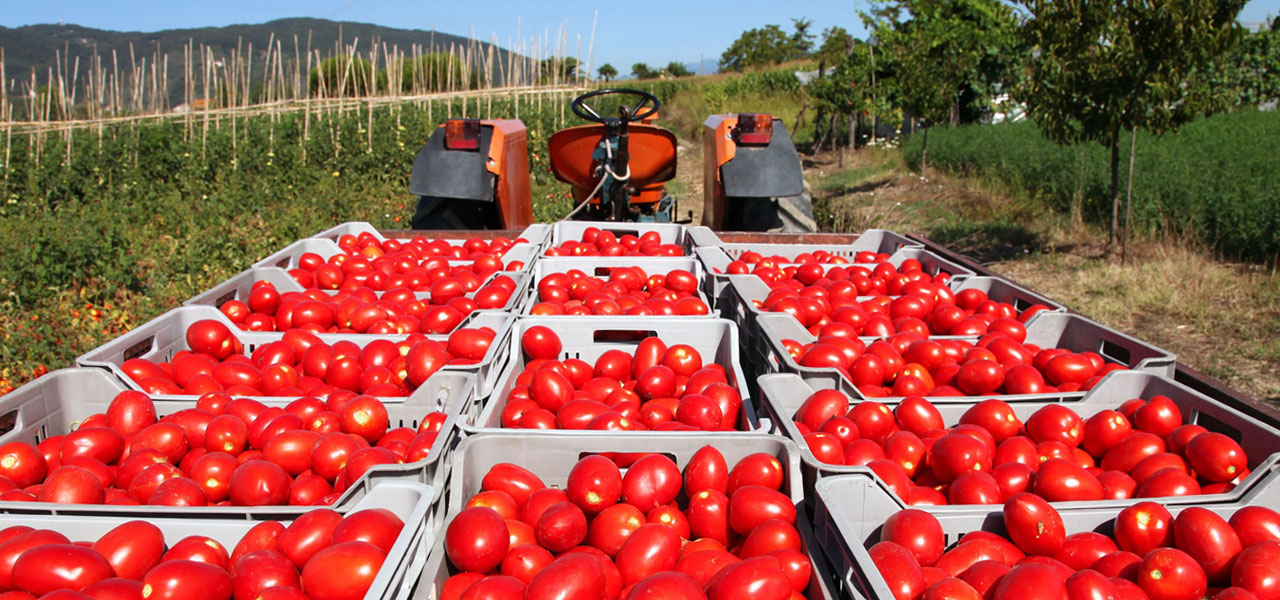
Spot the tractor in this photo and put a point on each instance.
(474, 174)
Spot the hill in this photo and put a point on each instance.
(38, 46)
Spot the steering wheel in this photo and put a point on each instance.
(585, 112)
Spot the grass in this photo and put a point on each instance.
(1216, 181)
(1220, 317)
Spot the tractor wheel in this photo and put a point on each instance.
(792, 214)
(449, 213)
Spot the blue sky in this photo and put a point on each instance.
(655, 32)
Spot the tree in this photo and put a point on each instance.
(607, 72)
(346, 76)
(801, 39)
(677, 69)
(942, 54)
(567, 66)
(768, 45)
(1252, 70)
(642, 71)
(847, 90)
(1100, 68)
(434, 72)
(836, 44)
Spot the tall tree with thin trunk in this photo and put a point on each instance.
(940, 52)
(1098, 68)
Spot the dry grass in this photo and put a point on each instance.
(1223, 319)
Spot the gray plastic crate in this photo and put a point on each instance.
(781, 395)
(1045, 329)
(287, 258)
(56, 404)
(739, 293)
(602, 266)
(239, 287)
(880, 241)
(535, 234)
(394, 581)
(852, 508)
(685, 236)
(580, 337)
(551, 457)
(160, 338)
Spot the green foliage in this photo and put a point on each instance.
(642, 71)
(1214, 181)
(607, 72)
(346, 76)
(560, 69)
(434, 72)
(1251, 71)
(848, 89)
(1099, 68)
(944, 58)
(150, 214)
(676, 69)
(836, 44)
(768, 45)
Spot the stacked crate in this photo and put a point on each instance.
(757, 346)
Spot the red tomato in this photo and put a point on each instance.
(23, 464)
(610, 528)
(200, 549)
(539, 342)
(1170, 574)
(378, 526)
(1081, 550)
(186, 580)
(1144, 527)
(132, 548)
(260, 570)
(259, 483)
(561, 526)
(651, 549)
(476, 539)
(50, 567)
(1034, 525)
(1257, 569)
(760, 578)
(898, 566)
(705, 470)
(1255, 524)
(573, 575)
(1215, 456)
(308, 534)
(594, 484)
(1208, 538)
(1062, 480)
(917, 531)
(1031, 581)
(751, 505)
(342, 571)
(650, 482)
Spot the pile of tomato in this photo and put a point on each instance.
(369, 246)
(910, 364)
(710, 532)
(322, 555)
(363, 310)
(1148, 555)
(1142, 449)
(750, 260)
(301, 364)
(220, 452)
(658, 388)
(597, 242)
(627, 291)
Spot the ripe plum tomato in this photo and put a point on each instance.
(476, 539)
(1171, 574)
(1034, 525)
(540, 342)
(342, 571)
(918, 532)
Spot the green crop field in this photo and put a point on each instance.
(1215, 182)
